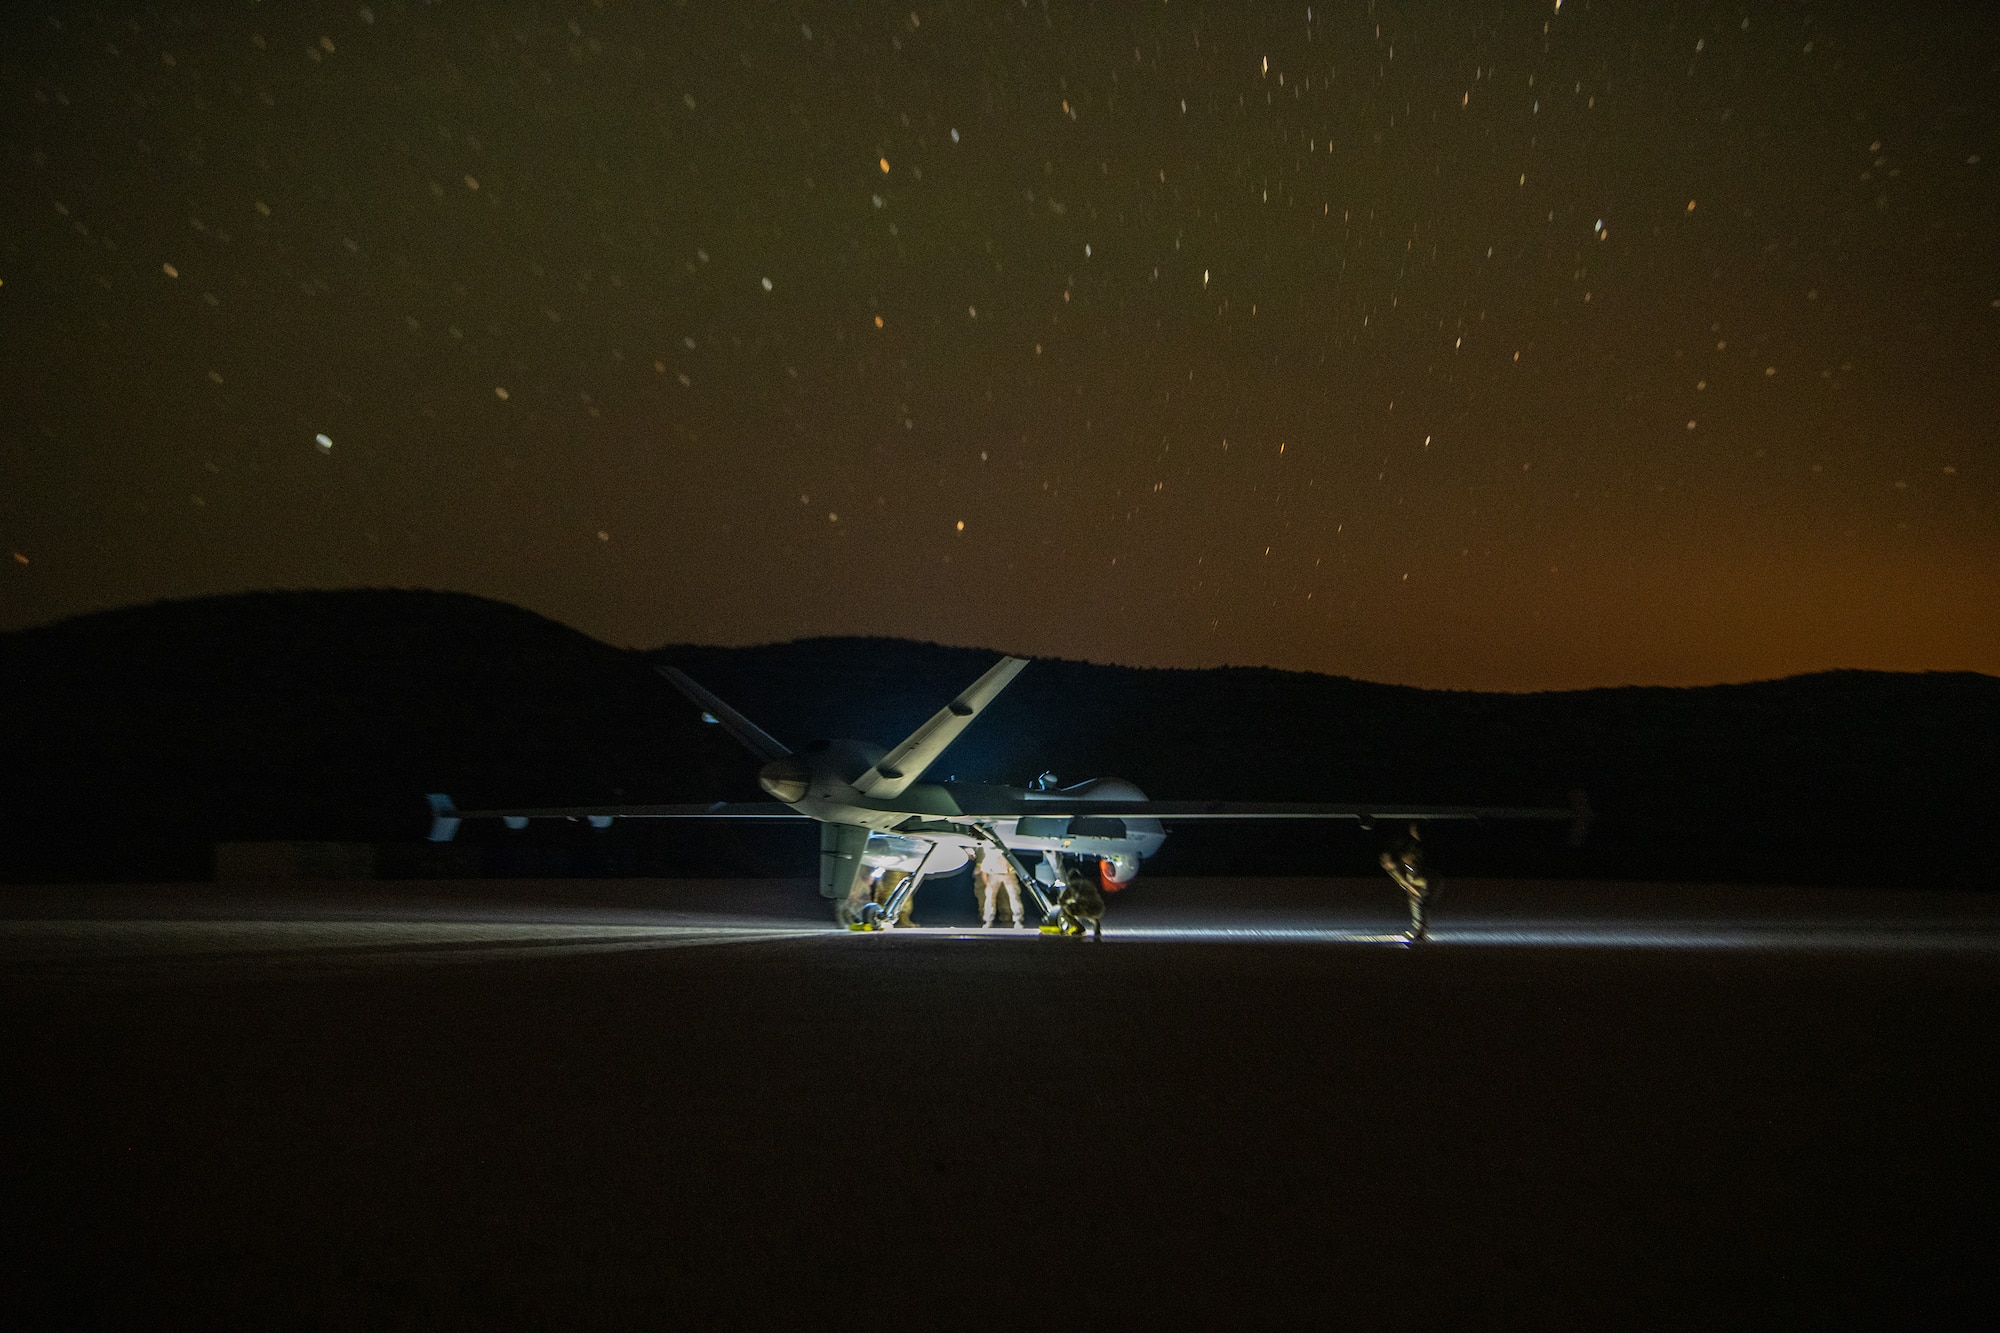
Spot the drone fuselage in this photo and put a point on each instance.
(819, 781)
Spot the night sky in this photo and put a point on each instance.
(1507, 346)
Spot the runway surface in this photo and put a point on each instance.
(601, 1103)
(345, 926)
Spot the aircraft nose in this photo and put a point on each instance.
(785, 778)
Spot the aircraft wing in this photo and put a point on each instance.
(445, 816)
(1577, 814)
(1270, 810)
(712, 810)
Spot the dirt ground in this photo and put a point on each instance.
(922, 1129)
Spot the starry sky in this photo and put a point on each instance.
(1497, 346)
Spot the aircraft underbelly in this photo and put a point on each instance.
(937, 856)
(1106, 847)
(1141, 837)
(955, 850)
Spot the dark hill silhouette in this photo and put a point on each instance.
(136, 738)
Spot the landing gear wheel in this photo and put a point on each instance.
(871, 917)
(1064, 924)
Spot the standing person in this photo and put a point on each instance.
(1405, 863)
(991, 874)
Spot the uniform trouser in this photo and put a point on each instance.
(1414, 886)
(989, 894)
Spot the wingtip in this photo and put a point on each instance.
(444, 817)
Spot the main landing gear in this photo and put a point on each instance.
(1077, 907)
(1071, 902)
(882, 900)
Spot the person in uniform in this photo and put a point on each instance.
(1404, 860)
(992, 873)
(1082, 908)
(1079, 905)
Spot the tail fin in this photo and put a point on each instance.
(747, 733)
(896, 770)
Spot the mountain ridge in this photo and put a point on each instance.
(328, 714)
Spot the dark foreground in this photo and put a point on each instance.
(415, 1118)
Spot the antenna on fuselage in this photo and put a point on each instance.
(747, 733)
